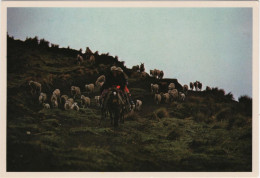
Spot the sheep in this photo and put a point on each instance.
(171, 86)
(92, 59)
(181, 96)
(79, 59)
(98, 100)
(191, 85)
(157, 98)
(42, 98)
(75, 106)
(173, 94)
(196, 85)
(75, 91)
(100, 80)
(90, 88)
(160, 75)
(135, 68)
(156, 73)
(64, 98)
(166, 97)
(68, 104)
(154, 88)
(46, 106)
(138, 105)
(54, 101)
(142, 69)
(199, 86)
(36, 87)
(144, 75)
(152, 73)
(85, 101)
(208, 88)
(185, 89)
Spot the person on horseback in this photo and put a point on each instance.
(115, 78)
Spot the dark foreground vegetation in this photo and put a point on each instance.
(209, 131)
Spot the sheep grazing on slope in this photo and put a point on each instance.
(173, 94)
(161, 74)
(97, 100)
(154, 88)
(157, 98)
(85, 101)
(138, 105)
(90, 88)
(199, 86)
(135, 68)
(42, 98)
(36, 87)
(171, 86)
(46, 106)
(191, 85)
(92, 59)
(54, 101)
(196, 85)
(166, 97)
(68, 104)
(100, 81)
(64, 98)
(79, 59)
(75, 91)
(181, 96)
(142, 69)
(75, 106)
(185, 89)
(208, 88)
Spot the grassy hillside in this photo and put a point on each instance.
(209, 131)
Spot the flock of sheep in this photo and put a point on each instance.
(68, 103)
(64, 101)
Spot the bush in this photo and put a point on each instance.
(224, 114)
(161, 113)
(202, 117)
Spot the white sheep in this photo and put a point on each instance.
(75, 106)
(154, 88)
(138, 105)
(36, 87)
(97, 100)
(90, 88)
(92, 59)
(85, 101)
(171, 86)
(173, 94)
(181, 96)
(68, 104)
(100, 79)
(42, 98)
(166, 97)
(75, 91)
(63, 98)
(54, 101)
(157, 98)
(79, 59)
(46, 106)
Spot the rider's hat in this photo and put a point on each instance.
(113, 68)
(119, 69)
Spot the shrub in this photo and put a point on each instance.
(174, 135)
(224, 114)
(161, 113)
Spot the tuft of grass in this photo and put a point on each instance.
(174, 134)
(161, 113)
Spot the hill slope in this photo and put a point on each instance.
(207, 132)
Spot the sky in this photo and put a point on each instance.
(211, 45)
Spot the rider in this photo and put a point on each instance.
(116, 77)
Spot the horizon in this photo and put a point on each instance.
(222, 47)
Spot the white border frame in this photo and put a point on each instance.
(148, 4)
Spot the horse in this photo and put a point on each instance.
(115, 105)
